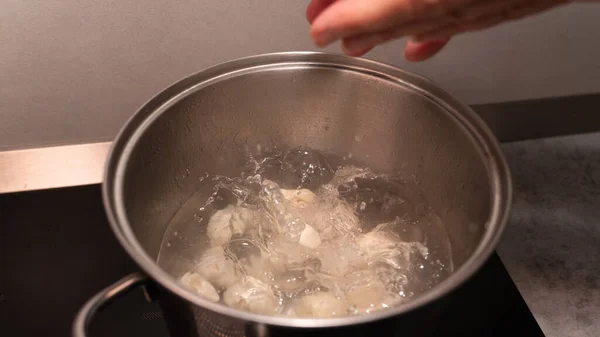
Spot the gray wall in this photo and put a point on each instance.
(73, 70)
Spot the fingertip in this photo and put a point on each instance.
(321, 34)
(421, 51)
(315, 7)
(356, 52)
(321, 37)
(344, 18)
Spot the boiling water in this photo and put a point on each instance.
(307, 235)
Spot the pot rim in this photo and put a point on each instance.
(483, 139)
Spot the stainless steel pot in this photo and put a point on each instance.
(387, 118)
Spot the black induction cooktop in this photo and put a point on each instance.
(56, 251)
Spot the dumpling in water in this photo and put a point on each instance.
(337, 220)
(320, 305)
(217, 268)
(383, 245)
(366, 293)
(252, 295)
(241, 220)
(200, 285)
(339, 256)
(226, 222)
(218, 229)
(299, 197)
(376, 240)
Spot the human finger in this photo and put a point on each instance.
(353, 17)
(421, 51)
(356, 43)
(357, 51)
(315, 7)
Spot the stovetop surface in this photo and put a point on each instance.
(56, 251)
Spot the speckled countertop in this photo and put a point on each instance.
(551, 246)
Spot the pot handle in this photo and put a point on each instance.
(103, 298)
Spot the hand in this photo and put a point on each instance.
(364, 24)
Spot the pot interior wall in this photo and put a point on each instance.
(384, 124)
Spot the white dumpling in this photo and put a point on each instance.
(200, 285)
(366, 293)
(241, 219)
(310, 238)
(219, 229)
(366, 299)
(335, 221)
(382, 245)
(378, 246)
(320, 305)
(373, 242)
(226, 222)
(339, 256)
(217, 268)
(252, 295)
(299, 196)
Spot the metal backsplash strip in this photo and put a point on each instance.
(52, 167)
(83, 164)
